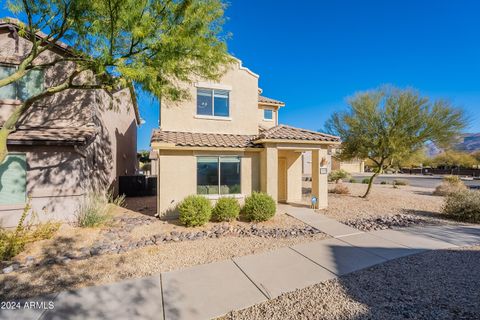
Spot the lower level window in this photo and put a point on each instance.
(13, 180)
(218, 175)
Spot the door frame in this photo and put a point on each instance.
(284, 173)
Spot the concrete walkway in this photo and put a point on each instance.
(211, 290)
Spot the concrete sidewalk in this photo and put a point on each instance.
(211, 290)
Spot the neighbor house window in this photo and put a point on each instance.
(13, 180)
(213, 102)
(267, 114)
(218, 175)
(29, 85)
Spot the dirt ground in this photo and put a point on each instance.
(384, 200)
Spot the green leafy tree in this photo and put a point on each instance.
(155, 45)
(389, 124)
(452, 158)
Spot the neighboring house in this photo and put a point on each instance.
(65, 145)
(334, 163)
(226, 141)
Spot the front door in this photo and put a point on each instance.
(282, 179)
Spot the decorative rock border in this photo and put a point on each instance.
(386, 222)
(115, 244)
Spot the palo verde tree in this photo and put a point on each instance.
(154, 45)
(389, 124)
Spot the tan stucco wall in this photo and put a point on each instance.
(177, 176)
(58, 176)
(243, 107)
(56, 183)
(265, 123)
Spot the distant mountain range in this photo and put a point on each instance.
(468, 142)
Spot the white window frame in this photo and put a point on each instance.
(219, 195)
(212, 116)
(273, 114)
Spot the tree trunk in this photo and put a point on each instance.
(9, 126)
(370, 182)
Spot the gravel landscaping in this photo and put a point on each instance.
(385, 207)
(441, 284)
(135, 245)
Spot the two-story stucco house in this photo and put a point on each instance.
(65, 144)
(226, 141)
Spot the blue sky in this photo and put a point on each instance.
(315, 54)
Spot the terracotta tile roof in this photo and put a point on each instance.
(291, 133)
(269, 100)
(54, 136)
(219, 140)
(191, 139)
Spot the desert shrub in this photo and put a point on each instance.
(340, 188)
(13, 242)
(340, 174)
(452, 179)
(95, 209)
(383, 182)
(366, 180)
(194, 211)
(449, 185)
(463, 205)
(259, 206)
(226, 209)
(400, 182)
(353, 181)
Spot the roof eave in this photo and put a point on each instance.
(311, 142)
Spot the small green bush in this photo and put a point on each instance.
(194, 211)
(400, 182)
(226, 209)
(353, 181)
(463, 205)
(384, 182)
(366, 180)
(340, 174)
(95, 209)
(259, 206)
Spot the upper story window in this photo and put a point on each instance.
(268, 114)
(29, 85)
(212, 102)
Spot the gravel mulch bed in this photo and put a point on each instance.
(136, 245)
(384, 201)
(441, 284)
(388, 222)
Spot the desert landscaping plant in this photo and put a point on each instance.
(226, 209)
(463, 205)
(352, 181)
(366, 181)
(194, 211)
(339, 188)
(449, 185)
(400, 182)
(12, 242)
(337, 175)
(259, 206)
(389, 124)
(95, 209)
